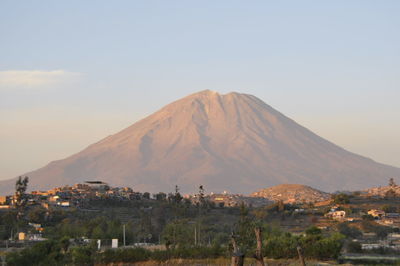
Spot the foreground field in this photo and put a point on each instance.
(222, 262)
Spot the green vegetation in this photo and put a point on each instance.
(278, 245)
(188, 231)
(341, 198)
(313, 243)
(177, 228)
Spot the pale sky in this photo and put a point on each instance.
(73, 72)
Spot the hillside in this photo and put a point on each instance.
(292, 193)
(383, 191)
(232, 142)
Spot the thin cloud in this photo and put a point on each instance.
(35, 79)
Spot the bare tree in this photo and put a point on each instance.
(301, 257)
(237, 256)
(258, 256)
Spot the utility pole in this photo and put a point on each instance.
(123, 226)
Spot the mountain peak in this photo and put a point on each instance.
(212, 93)
(206, 93)
(232, 142)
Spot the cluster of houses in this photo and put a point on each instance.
(369, 240)
(76, 195)
(383, 218)
(380, 216)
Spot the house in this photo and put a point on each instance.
(54, 198)
(376, 213)
(336, 214)
(21, 236)
(3, 200)
(64, 204)
(97, 185)
(40, 193)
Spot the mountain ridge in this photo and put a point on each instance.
(233, 142)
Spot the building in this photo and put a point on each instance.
(376, 213)
(336, 214)
(97, 185)
(40, 193)
(3, 200)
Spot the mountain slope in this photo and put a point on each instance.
(232, 142)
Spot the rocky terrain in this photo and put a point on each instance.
(292, 193)
(383, 191)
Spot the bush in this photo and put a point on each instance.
(284, 246)
(43, 253)
(325, 248)
(81, 255)
(132, 255)
(125, 255)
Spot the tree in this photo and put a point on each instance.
(201, 196)
(177, 197)
(20, 197)
(161, 196)
(145, 232)
(245, 230)
(146, 195)
(391, 182)
(341, 198)
(313, 231)
(178, 233)
(37, 214)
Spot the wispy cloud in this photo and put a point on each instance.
(35, 79)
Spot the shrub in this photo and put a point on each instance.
(43, 253)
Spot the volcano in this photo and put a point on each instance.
(233, 142)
